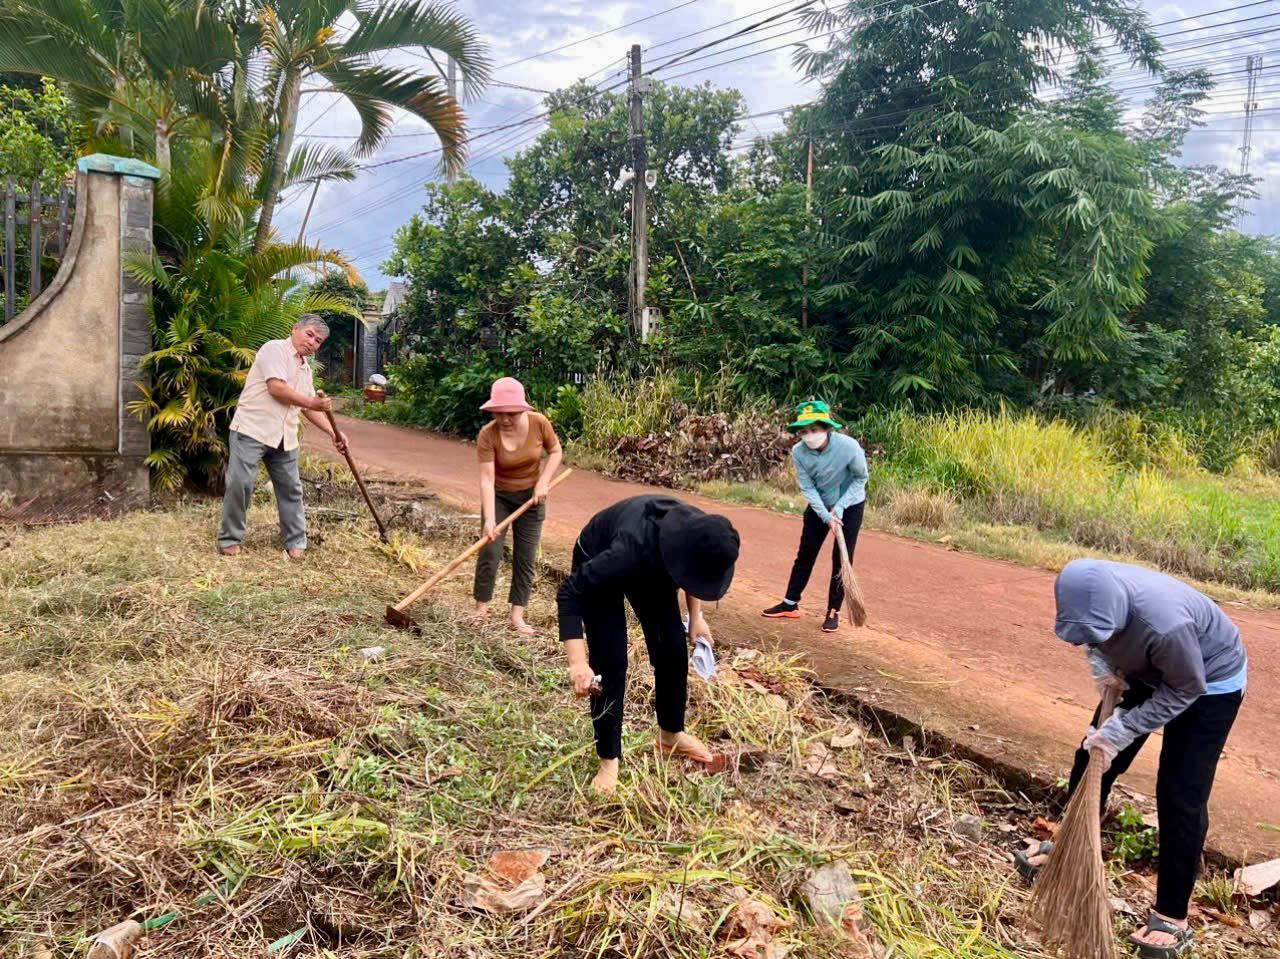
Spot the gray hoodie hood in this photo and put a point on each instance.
(1092, 604)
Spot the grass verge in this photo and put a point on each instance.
(197, 743)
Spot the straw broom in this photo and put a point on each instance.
(852, 591)
(1070, 902)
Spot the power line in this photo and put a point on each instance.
(596, 36)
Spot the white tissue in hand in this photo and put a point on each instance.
(704, 659)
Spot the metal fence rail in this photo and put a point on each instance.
(47, 220)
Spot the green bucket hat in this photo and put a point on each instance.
(813, 413)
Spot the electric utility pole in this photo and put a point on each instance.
(1253, 66)
(639, 198)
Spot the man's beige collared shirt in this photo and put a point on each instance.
(261, 416)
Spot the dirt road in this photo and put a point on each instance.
(957, 643)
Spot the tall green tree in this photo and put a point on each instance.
(953, 198)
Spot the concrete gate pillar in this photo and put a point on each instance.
(70, 362)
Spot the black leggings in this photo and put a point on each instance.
(812, 536)
(1189, 755)
(604, 621)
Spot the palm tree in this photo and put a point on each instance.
(302, 41)
(138, 72)
(216, 300)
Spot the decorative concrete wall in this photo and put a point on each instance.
(69, 363)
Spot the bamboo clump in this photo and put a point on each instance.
(1070, 902)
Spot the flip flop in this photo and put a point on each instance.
(1022, 859)
(1182, 939)
(683, 752)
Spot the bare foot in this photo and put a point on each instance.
(684, 745)
(295, 553)
(520, 626)
(606, 780)
(479, 614)
(229, 550)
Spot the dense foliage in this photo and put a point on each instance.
(984, 227)
(209, 93)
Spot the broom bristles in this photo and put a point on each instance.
(1070, 902)
(853, 604)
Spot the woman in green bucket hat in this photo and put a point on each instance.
(832, 471)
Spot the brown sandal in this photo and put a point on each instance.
(683, 752)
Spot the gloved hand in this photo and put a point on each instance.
(1104, 675)
(1110, 739)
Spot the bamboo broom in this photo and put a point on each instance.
(1070, 902)
(852, 591)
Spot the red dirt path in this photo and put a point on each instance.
(960, 644)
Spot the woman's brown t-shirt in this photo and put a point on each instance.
(516, 470)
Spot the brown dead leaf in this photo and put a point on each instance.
(821, 762)
(751, 929)
(513, 885)
(491, 895)
(1044, 828)
(1256, 879)
(517, 865)
(862, 944)
(118, 942)
(848, 740)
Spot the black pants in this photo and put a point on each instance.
(527, 533)
(657, 607)
(1189, 755)
(812, 536)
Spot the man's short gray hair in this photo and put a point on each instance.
(313, 321)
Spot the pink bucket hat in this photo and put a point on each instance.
(506, 396)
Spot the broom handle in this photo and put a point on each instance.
(844, 548)
(1109, 700)
(382, 530)
(474, 548)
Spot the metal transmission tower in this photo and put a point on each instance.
(1253, 66)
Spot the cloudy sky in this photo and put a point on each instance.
(545, 44)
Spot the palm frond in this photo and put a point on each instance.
(389, 26)
(372, 88)
(312, 163)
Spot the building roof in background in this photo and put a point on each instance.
(397, 293)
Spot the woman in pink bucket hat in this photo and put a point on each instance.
(512, 471)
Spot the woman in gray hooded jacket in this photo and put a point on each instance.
(1180, 666)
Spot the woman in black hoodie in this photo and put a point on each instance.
(642, 550)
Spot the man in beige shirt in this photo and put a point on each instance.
(278, 390)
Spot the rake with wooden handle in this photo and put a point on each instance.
(852, 592)
(396, 614)
(382, 530)
(1070, 902)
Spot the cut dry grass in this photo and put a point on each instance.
(196, 743)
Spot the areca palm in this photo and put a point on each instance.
(302, 41)
(216, 301)
(140, 71)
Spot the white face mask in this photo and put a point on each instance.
(815, 441)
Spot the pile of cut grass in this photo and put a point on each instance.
(196, 743)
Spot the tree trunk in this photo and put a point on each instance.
(163, 160)
(284, 144)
